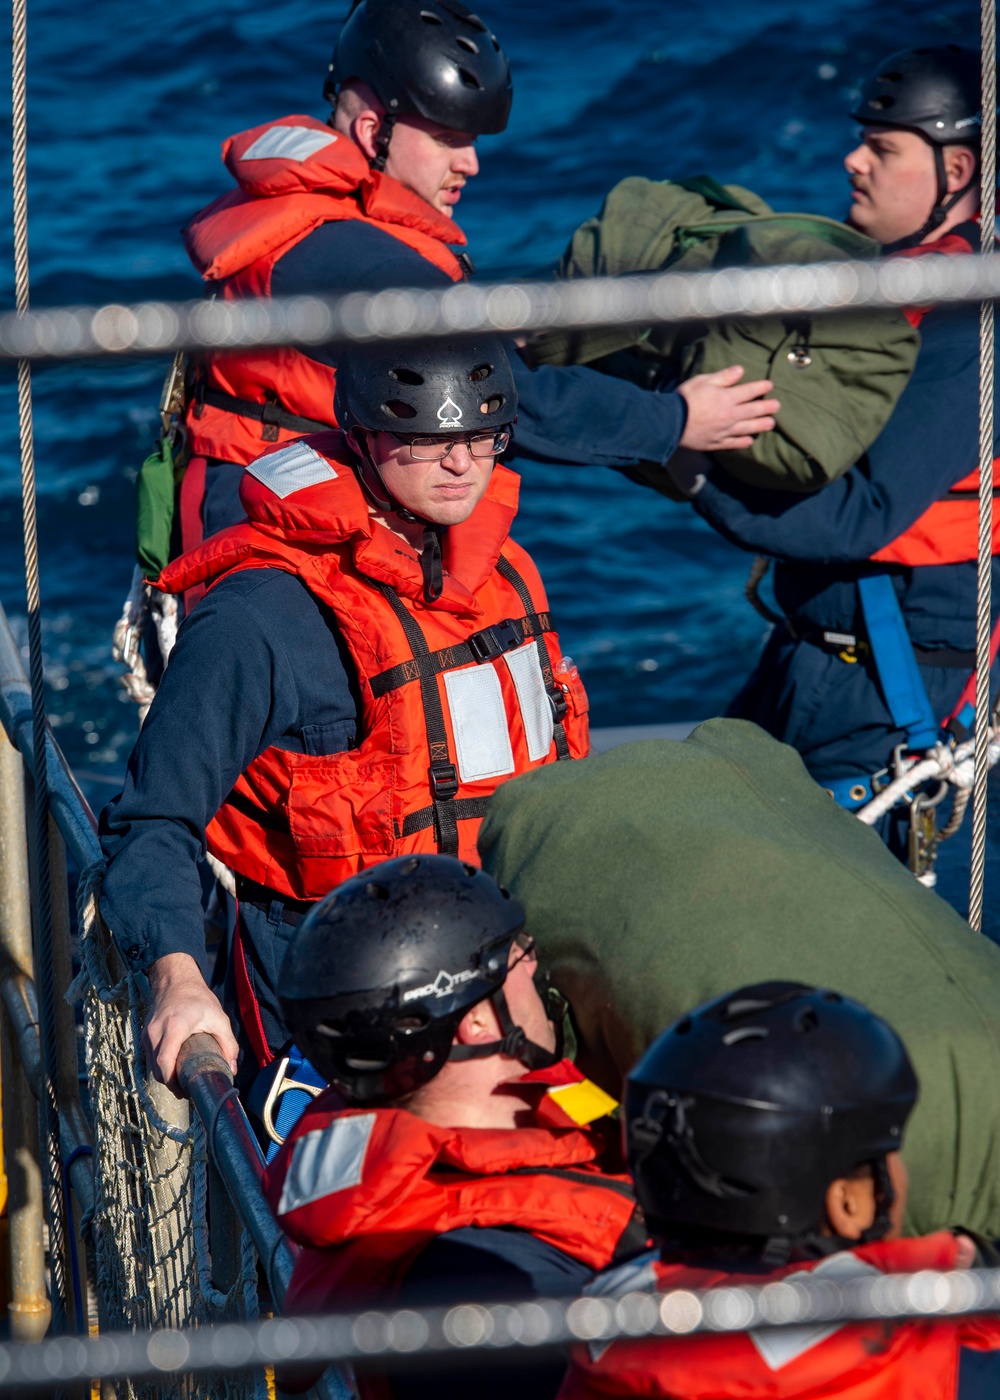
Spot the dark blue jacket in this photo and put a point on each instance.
(259, 662)
(822, 542)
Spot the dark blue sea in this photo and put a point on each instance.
(128, 106)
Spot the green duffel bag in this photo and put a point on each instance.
(838, 377)
(661, 874)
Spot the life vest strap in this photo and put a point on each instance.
(482, 646)
(465, 809)
(271, 413)
(899, 675)
(442, 775)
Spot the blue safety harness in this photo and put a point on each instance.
(899, 677)
(282, 1092)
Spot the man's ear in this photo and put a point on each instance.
(365, 129)
(959, 166)
(850, 1205)
(479, 1025)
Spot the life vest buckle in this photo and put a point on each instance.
(493, 641)
(444, 781)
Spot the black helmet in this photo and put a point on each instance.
(380, 973)
(937, 93)
(740, 1115)
(440, 387)
(429, 58)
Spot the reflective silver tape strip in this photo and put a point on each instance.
(326, 1161)
(291, 468)
(289, 143)
(536, 711)
(781, 1346)
(479, 723)
(634, 1276)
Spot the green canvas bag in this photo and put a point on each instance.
(838, 377)
(660, 874)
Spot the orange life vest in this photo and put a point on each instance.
(948, 531)
(456, 695)
(364, 1191)
(868, 1361)
(293, 175)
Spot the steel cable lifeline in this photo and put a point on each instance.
(48, 1102)
(466, 1332)
(644, 299)
(988, 174)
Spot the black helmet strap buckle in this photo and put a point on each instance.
(514, 1044)
(382, 138)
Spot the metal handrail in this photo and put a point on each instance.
(207, 1080)
(71, 810)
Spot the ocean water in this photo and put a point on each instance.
(128, 105)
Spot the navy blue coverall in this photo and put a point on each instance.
(833, 711)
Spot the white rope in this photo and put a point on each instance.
(957, 766)
(986, 390)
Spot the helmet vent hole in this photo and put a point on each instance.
(467, 44)
(745, 1033)
(429, 17)
(496, 42)
(890, 77)
(470, 869)
(402, 375)
(493, 405)
(411, 867)
(399, 409)
(408, 1024)
(469, 79)
(683, 1027)
(475, 22)
(806, 1020)
(835, 997)
(376, 890)
(480, 373)
(882, 104)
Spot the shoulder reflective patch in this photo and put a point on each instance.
(293, 468)
(479, 722)
(784, 1345)
(536, 711)
(326, 1161)
(289, 143)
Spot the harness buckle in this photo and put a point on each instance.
(493, 641)
(280, 1085)
(444, 781)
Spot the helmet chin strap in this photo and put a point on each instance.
(943, 204)
(374, 487)
(515, 1043)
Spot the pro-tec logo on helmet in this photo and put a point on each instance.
(449, 414)
(443, 984)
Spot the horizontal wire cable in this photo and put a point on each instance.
(475, 1333)
(157, 328)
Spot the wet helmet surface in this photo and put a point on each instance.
(740, 1115)
(433, 59)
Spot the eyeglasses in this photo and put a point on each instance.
(432, 449)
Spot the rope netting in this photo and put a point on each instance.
(150, 1227)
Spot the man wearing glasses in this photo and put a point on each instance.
(374, 656)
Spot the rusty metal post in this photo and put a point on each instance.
(30, 1310)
